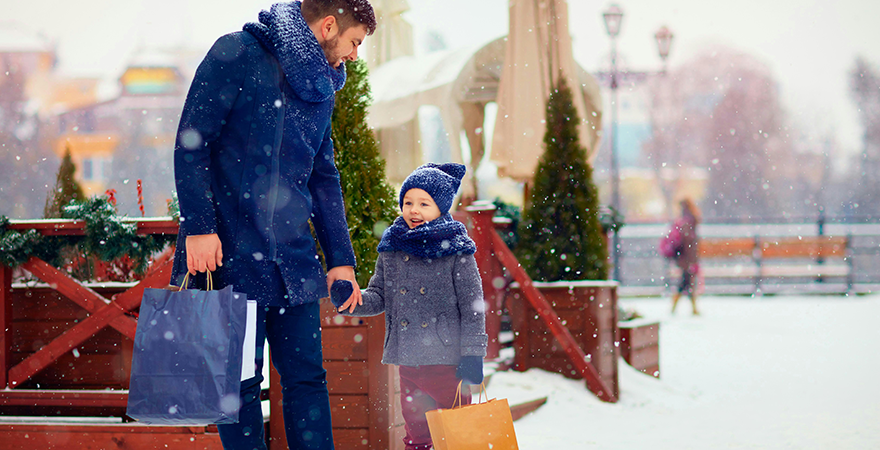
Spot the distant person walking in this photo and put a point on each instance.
(686, 254)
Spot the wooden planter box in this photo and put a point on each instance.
(587, 308)
(640, 345)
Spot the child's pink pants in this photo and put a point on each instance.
(423, 388)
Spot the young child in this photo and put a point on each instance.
(427, 284)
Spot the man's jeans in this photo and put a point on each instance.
(294, 336)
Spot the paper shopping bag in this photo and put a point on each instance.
(480, 426)
(186, 366)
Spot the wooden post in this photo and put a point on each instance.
(758, 258)
(5, 324)
(482, 231)
(848, 255)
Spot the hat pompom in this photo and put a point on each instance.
(456, 170)
(440, 181)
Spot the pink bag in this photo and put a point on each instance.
(670, 245)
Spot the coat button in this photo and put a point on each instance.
(424, 324)
(423, 291)
(403, 291)
(406, 257)
(404, 323)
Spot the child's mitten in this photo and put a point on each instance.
(340, 291)
(470, 369)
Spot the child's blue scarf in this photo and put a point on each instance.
(440, 237)
(283, 31)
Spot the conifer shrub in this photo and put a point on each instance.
(561, 237)
(370, 203)
(66, 188)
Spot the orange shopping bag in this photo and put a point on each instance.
(480, 426)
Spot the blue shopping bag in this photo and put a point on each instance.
(186, 366)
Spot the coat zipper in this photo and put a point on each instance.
(276, 175)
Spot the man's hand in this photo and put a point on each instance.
(346, 273)
(203, 252)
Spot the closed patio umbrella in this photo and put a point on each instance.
(538, 51)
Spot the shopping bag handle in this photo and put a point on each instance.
(186, 281)
(458, 394)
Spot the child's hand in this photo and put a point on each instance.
(342, 296)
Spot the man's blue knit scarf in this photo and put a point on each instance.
(440, 237)
(283, 31)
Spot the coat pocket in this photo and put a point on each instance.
(443, 330)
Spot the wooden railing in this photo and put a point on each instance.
(60, 332)
(770, 258)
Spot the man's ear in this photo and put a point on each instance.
(329, 27)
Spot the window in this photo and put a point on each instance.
(93, 167)
(87, 169)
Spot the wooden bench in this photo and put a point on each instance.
(818, 258)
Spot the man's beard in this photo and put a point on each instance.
(329, 48)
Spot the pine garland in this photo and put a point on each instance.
(16, 247)
(514, 213)
(107, 237)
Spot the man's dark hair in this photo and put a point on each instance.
(348, 13)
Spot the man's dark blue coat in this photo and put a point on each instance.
(254, 163)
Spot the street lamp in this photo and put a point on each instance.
(613, 18)
(664, 42)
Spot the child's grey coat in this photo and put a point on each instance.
(434, 311)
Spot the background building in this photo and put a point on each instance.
(130, 136)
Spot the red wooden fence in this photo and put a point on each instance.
(48, 330)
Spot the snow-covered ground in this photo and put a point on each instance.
(782, 372)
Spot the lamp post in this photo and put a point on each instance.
(613, 18)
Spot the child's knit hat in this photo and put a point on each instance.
(440, 181)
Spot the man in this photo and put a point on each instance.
(253, 165)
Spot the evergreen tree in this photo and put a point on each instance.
(370, 202)
(66, 188)
(561, 237)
